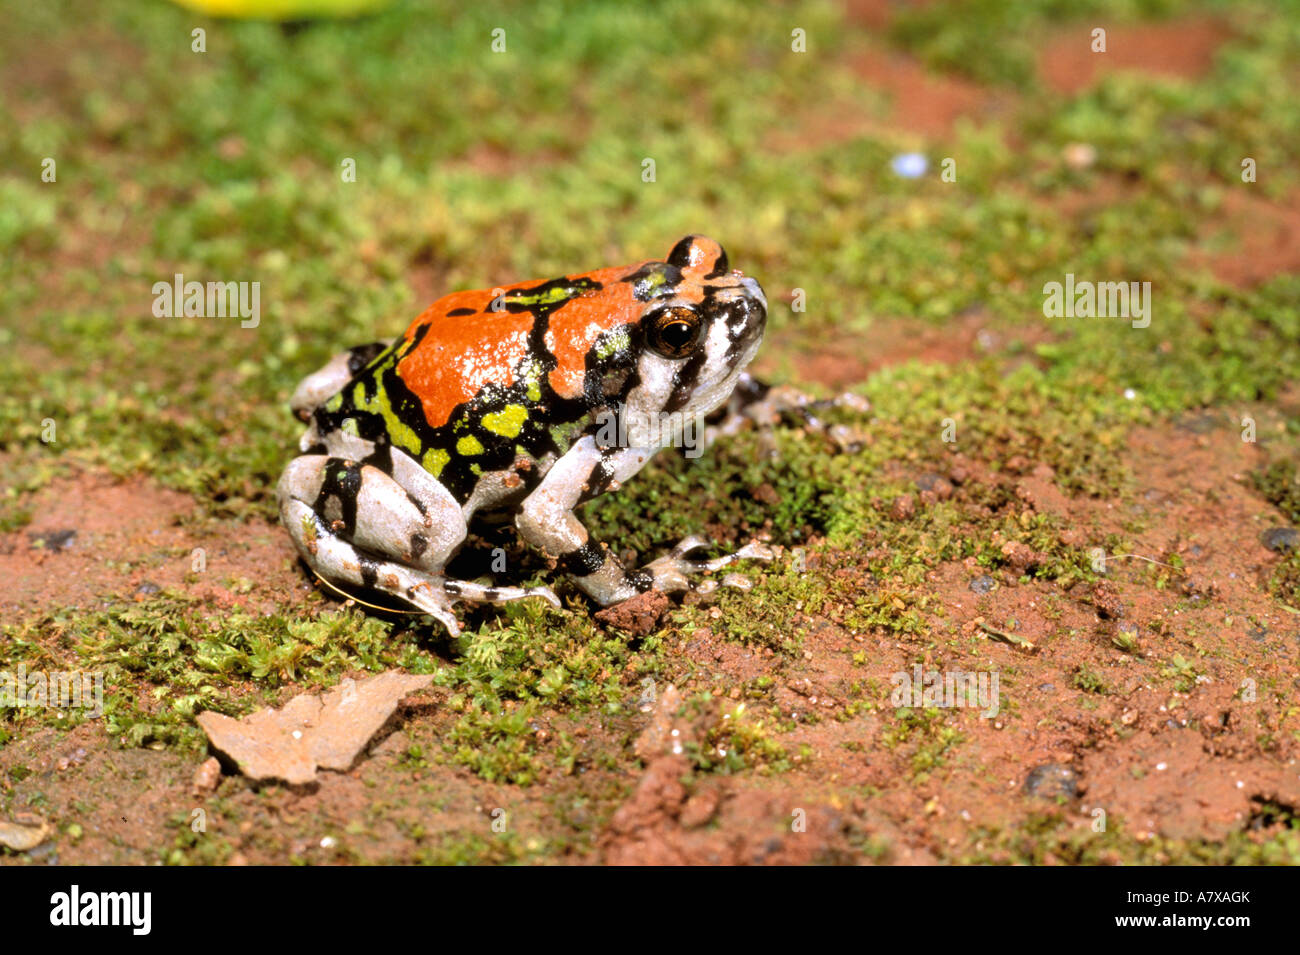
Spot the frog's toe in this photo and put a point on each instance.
(688, 544)
(754, 550)
(431, 598)
(737, 581)
(672, 572)
(489, 594)
(547, 594)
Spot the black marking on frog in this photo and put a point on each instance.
(583, 561)
(340, 485)
(369, 569)
(359, 356)
(642, 580)
(419, 544)
(654, 280)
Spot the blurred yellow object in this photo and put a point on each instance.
(283, 9)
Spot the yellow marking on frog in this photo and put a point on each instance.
(335, 403)
(435, 459)
(532, 375)
(349, 426)
(560, 293)
(469, 446)
(655, 279)
(507, 422)
(399, 432)
(614, 344)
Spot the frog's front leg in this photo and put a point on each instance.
(355, 524)
(547, 521)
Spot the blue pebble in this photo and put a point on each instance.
(910, 165)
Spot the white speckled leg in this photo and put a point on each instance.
(671, 571)
(546, 520)
(355, 524)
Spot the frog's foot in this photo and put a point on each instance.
(766, 405)
(671, 572)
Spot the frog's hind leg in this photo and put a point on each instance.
(357, 525)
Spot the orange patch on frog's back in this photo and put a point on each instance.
(460, 354)
(574, 329)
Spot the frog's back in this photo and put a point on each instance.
(483, 376)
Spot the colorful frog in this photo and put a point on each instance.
(493, 403)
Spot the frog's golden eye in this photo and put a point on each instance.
(675, 332)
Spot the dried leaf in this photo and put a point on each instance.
(311, 732)
(22, 838)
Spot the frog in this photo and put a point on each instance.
(496, 403)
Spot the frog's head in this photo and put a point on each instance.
(701, 326)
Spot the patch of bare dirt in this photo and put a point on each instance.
(876, 14)
(120, 801)
(1266, 234)
(1179, 48)
(94, 536)
(924, 102)
(914, 100)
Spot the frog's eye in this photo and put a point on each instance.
(674, 332)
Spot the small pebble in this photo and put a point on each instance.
(52, 540)
(1051, 780)
(909, 165)
(1281, 540)
(902, 508)
(1079, 155)
(983, 584)
(937, 484)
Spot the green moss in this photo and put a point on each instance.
(1284, 581)
(928, 736)
(736, 741)
(1279, 483)
(192, 659)
(1054, 837)
(1087, 679)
